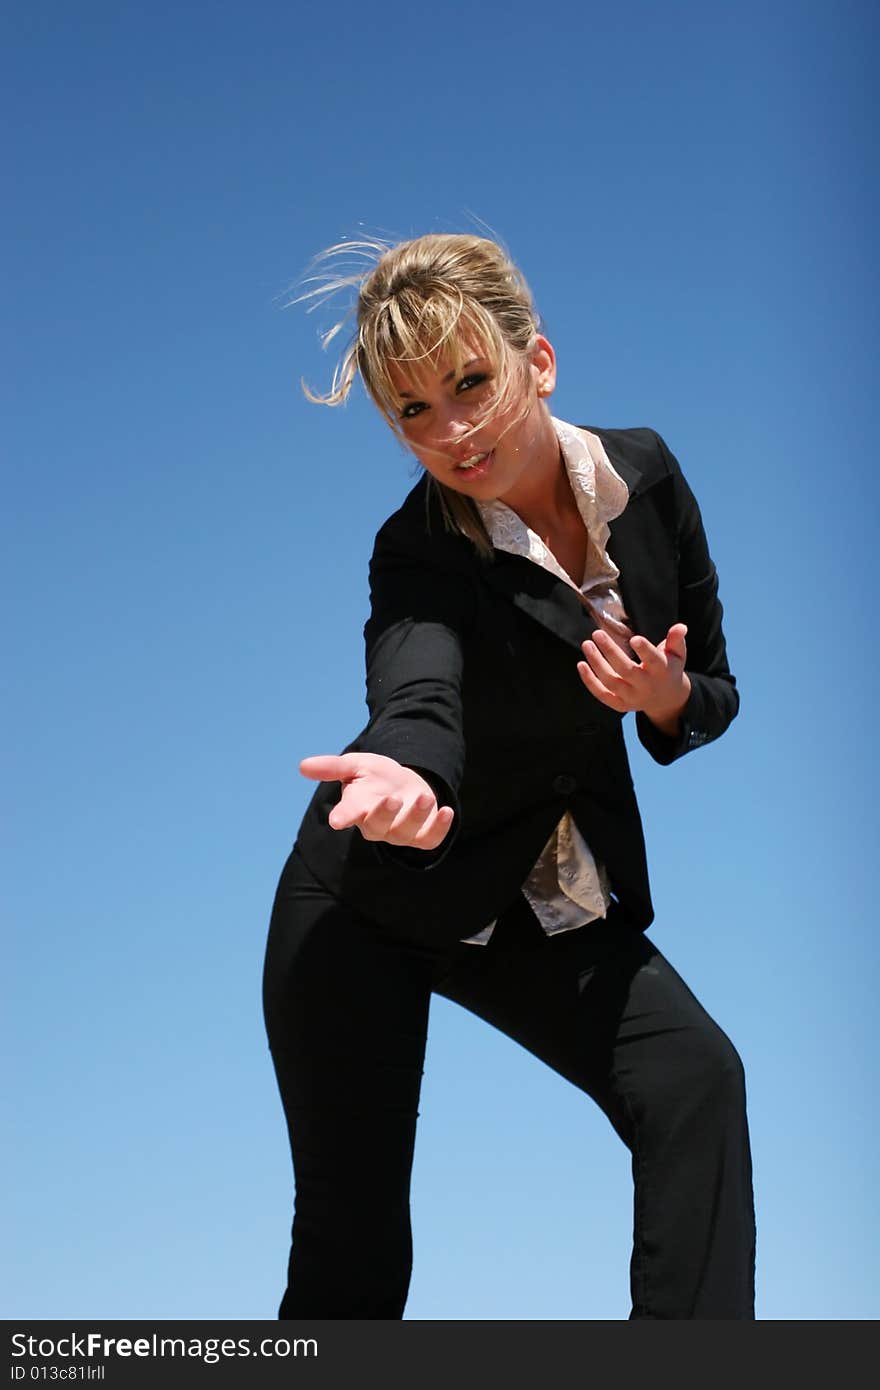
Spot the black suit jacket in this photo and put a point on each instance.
(472, 679)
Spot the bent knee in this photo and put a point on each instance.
(720, 1077)
(708, 1075)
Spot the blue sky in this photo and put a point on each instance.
(691, 192)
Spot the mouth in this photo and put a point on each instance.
(474, 467)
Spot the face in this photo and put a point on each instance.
(446, 421)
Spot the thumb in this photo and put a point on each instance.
(675, 644)
(330, 767)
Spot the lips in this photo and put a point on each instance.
(476, 466)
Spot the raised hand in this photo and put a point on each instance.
(657, 683)
(385, 800)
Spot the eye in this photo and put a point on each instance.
(472, 379)
(467, 383)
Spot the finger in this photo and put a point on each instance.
(649, 655)
(595, 687)
(344, 814)
(329, 767)
(607, 675)
(612, 653)
(675, 644)
(411, 818)
(357, 808)
(435, 829)
(376, 821)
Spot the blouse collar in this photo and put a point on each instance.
(600, 493)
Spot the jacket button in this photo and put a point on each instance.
(564, 783)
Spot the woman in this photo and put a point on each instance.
(480, 838)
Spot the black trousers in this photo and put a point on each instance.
(346, 1008)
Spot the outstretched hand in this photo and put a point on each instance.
(657, 684)
(385, 800)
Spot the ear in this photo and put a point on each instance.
(543, 365)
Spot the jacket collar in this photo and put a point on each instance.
(632, 476)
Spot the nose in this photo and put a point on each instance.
(453, 425)
(458, 428)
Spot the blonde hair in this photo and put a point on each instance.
(435, 295)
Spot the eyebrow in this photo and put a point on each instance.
(408, 395)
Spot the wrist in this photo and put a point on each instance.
(667, 718)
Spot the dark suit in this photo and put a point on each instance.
(471, 677)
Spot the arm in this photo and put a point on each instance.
(400, 778)
(414, 667)
(682, 692)
(414, 664)
(713, 699)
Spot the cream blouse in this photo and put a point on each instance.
(567, 888)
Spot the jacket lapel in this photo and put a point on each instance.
(537, 592)
(644, 578)
(645, 553)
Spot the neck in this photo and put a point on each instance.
(543, 498)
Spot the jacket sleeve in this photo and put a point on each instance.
(414, 639)
(714, 699)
